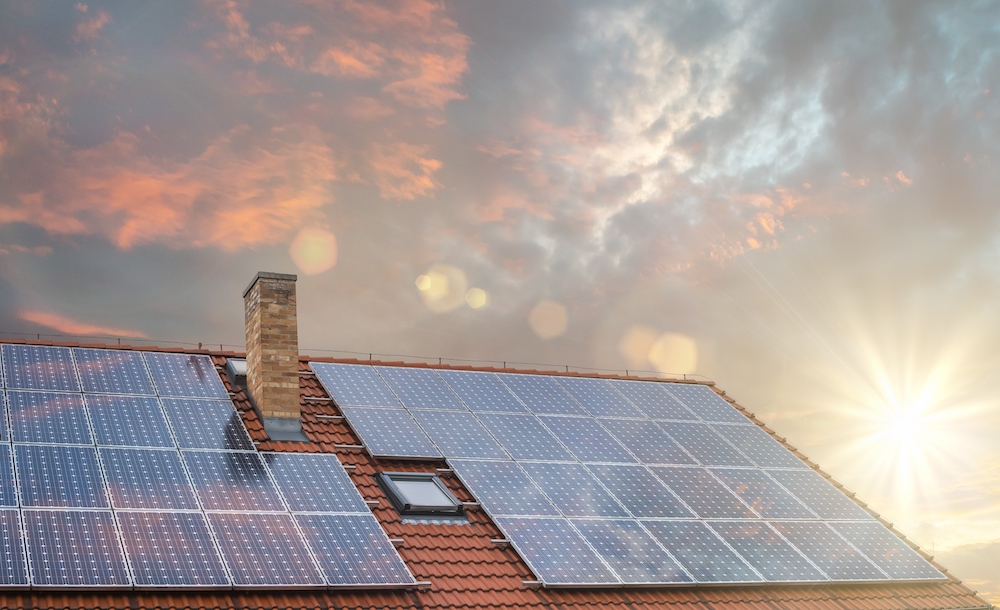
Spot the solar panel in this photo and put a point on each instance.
(353, 550)
(573, 490)
(828, 550)
(819, 494)
(4, 420)
(8, 494)
(541, 394)
(631, 552)
(759, 446)
(482, 391)
(640, 491)
(232, 481)
(762, 493)
(185, 375)
(459, 435)
(705, 403)
(556, 552)
(13, 566)
(354, 385)
(171, 550)
(206, 424)
(419, 388)
(652, 399)
(390, 432)
(36, 367)
(264, 550)
(702, 553)
(598, 397)
(704, 444)
(887, 551)
(502, 487)
(315, 482)
(74, 548)
(767, 552)
(524, 437)
(48, 417)
(586, 439)
(647, 441)
(128, 421)
(147, 478)
(703, 493)
(108, 371)
(50, 475)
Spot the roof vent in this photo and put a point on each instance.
(236, 371)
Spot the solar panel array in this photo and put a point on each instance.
(602, 482)
(123, 469)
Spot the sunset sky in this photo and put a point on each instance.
(798, 200)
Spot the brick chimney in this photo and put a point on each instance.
(273, 353)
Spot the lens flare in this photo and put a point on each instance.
(442, 288)
(548, 319)
(674, 353)
(314, 250)
(477, 298)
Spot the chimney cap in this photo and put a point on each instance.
(271, 276)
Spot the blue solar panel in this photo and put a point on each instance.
(703, 493)
(541, 394)
(819, 494)
(652, 399)
(459, 435)
(107, 371)
(702, 553)
(206, 424)
(50, 475)
(264, 550)
(598, 397)
(147, 478)
(420, 388)
(639, 491)
(4, 420)
(353, 550)
(704, 444)
(13, 566)
(556, 552)
(887, 551)
(315, 483)
(482, 391)
(185, 375)
(586, 439)
(631, 552)
(8, 493)
(759, 446)
(390, 432)
(762, 493)
(128, 421)
(705, 403)
(74, 548)
(767, 552)
(48, 417)
(647, 441)
(502, 488)
(524, 437)
(171, 550)
(573, 490)
(232, 481)
(35, 367)
(354, 385)
(828, 550)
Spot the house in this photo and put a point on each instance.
(145, 478)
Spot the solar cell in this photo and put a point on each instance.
(4, 420)
(598, 397)
(482, 391)
(819, 494)
(762, 493)
(705, 403)
(524, 437)
(459, 435)
(171, 550)
(419, 388)
(701, 551)
(758, 445)
(315, 482)
(541, 394)
(8, 494)
(767, 552)
(108, 371)
(231, 481)
(206, 424)
(390, 432)
(652, 399)
(128, 421)
(556, 552)
(354, 385)
(147, 478)
(48, 417)
(703, 493)
(74, 548)
(704, 444)
(631, 552)
(586, 439)
(185, 375)
(887, 551)
(828, 550)
(353, 550)
(502, 487)
(13, 566)
(573, 490)
(647, 441)
(264, 550)
(36, 367)
(50, 475)
(640, 491)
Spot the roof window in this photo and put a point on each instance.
(419, 494)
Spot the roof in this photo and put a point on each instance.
(463, 565)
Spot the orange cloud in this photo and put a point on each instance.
(903, 179)
(74, 327)
(354, 59)
(91, 29)
(402, 172)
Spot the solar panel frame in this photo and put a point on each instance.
(829, 551)
(503, 488)
(886, 550)
(757, 445)
(632, 552)
(14, 570)
(244, 540)
(653, 400)
(541, 394)
(353, 550)
(750, 539)
(206, 424)
(701, 551)
(459, 434)
(152, 540)
(573, 490)
(648, 442)
(48, 417)
(177, 375)
(420, 388)
(46, 475)
(390, 432)
(598, 397)
(354, 385)
(147, 479)
(58, 372)
(548, 560)
(482, 391)
(704, 444)
(314, 482)
(108, 371)
(705, 403)
(762, 493)
(587, 440)
(97, 541)
(128, 421)
(524, 437)
(232, 481)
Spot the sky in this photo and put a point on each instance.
(797, 200)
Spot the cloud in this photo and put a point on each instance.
(91, 28)
(75, 327)
(403, 172)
